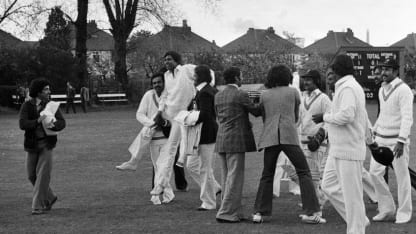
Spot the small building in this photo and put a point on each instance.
(100, 47)
(335, 40)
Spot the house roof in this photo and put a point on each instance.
(98, 40)
(261, 40)
(8, 40)
(409, 42)
(334, 40)
(180, 39)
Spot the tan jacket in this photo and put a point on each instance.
(281, 111)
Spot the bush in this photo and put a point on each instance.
(6, 93)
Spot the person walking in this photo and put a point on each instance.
(392, 129)
(347, 122)
(38, 145)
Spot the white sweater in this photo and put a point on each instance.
(315, 103)
(396, 111)
(347, 121)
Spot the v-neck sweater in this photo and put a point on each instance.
(396, 111)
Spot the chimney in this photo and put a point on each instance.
(184, 23)
(350, 34)
(270, 30)
(330, 32)
(368, 36)
(213, 42)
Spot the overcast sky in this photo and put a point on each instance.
(388, 21)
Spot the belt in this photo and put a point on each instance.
(158, 138)
(385, 136)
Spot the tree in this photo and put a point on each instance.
(81, 41)
(57, 31)
(21, 14)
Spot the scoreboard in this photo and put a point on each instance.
(365, 59)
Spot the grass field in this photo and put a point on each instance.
(95, 198)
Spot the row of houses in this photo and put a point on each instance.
(100, 45)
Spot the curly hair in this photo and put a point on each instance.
(36, 86)
(279, 75)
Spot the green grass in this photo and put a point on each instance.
(95, 198)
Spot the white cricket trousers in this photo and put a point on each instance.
(167, 155)
(343, 185)
(200, 168)
(404, 189)
(156, 146)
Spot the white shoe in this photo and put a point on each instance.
(257, 218)
(398, 221)
(313, 219)
(155, 200)
(380, 217)
(126, 166)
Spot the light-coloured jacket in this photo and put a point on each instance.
(281, 111)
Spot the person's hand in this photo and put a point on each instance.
(41, 118)
(159, 121)
(318, 118)
(50, 125)
(398, 149)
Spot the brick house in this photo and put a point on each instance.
(100, 47)
(334, 40)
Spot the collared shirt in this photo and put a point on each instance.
(179, 89)
(235, 85)
(201, 86)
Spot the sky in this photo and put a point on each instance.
(387, 21)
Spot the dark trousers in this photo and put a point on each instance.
(68, 103)
(264, 199)
(180, 181)
(84, 105)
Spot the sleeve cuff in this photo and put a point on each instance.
(402, 139)
(325, 118)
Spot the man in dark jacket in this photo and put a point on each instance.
(39, 145)
(200, 166)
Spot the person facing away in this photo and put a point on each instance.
(280, 104)
(38, 145)
(70, 95)
(392, 129)
(346, 121)
(234, 138)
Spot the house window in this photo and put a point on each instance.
(96, 56)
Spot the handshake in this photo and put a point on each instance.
(316, 141)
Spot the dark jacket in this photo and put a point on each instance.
(204, 101)
(28, 117)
